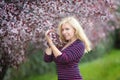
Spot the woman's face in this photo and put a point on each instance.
(68, 32)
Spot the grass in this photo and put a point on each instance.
(48, 76)
(106, 68)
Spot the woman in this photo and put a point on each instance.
(68, 57)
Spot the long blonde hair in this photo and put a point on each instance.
(79, 32)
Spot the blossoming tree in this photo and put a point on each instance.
(25, 21)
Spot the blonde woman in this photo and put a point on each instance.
(68, 57)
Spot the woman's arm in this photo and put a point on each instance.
(48, 57)
(55, 50)
(73, 53)
(48, 51)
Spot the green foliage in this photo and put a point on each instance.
(118, 10)
(101, 49)
(48, 76)
(33, 65)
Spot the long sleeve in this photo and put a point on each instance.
(73, 53)
(48, 58)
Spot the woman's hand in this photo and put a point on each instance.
(53, 48)
(48, 38)
(48, 51)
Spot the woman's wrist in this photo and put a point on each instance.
(48, 51)
(52, 44)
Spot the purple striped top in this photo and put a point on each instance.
(67, 63)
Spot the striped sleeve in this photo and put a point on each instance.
(74, 53)
(48, 58)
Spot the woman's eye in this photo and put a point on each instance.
(67, 28)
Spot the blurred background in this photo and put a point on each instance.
(22, 42)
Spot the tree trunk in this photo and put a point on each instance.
(3, 71)
(117, 40)
(3, 66)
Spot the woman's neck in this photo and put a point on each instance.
(69, 43)
(72, 40)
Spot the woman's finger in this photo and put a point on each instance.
(46, 33)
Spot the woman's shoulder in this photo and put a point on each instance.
(78, 43)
